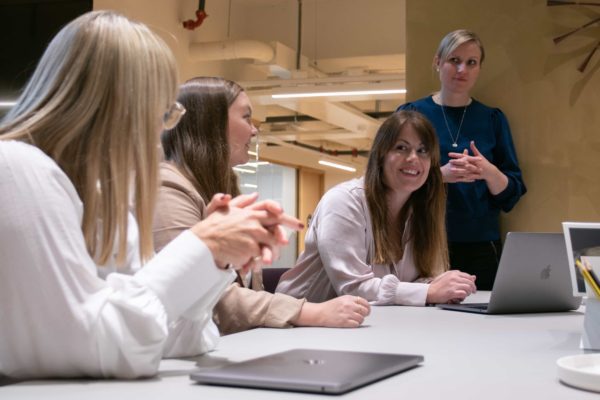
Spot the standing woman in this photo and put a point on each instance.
(200, 152)
(382, 236)
(80, 143)
(479, 161)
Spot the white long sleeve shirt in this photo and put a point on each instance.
(59, 317)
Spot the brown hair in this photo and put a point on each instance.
(198, 146)
(93, 105)
(425, 209)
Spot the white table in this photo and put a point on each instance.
(466, 356)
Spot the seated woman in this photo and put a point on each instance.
(382, 236)
(212, 137)
(80, 143)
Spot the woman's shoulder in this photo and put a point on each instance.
(494, 112)
(28, 161)
(346, 194)
(171, 179)
(422, 103)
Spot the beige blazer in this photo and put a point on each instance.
(179, 207)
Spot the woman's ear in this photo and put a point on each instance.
(436, 63)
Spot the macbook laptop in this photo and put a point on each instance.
(306, 370)
(533, 276)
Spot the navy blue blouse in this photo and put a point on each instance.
(472, 212)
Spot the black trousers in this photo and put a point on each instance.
(477, 258)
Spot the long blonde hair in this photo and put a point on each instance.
(425, 209)
(94, 105)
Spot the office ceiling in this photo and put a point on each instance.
(346, 45)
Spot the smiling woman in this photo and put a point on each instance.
(382, 236)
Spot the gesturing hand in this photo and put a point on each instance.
(465, 168)
(461, 168)
(241, 232)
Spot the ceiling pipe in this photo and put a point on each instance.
(232, 50)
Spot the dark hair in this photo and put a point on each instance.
(198, 145)
(425, 209)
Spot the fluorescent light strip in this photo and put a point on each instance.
(6, 104)
(333, 94)
(338, 166)
(244, 170)
(250, 185)
(256, 164)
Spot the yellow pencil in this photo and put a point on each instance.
(588, 278)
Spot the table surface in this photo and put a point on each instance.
(466, 356)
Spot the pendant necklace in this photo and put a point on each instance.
(454, 139)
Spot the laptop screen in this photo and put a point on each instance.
(582, 240)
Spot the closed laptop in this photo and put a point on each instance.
(308, 370)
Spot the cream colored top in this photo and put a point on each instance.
(336, 260)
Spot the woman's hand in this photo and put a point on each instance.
(451, 287)
(244, 233)
(466, 168)
(461, 168)
(340, 312)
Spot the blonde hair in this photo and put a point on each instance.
(94, 105)
(424, 212)
(454, 39)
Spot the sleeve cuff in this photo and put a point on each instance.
(181, 273)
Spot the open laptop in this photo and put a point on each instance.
(533, 276)
(307, 370)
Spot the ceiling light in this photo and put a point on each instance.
(254, 164)
(338, 93)
(244, 170)
(250, 185)
(338, 166)
(7, 103)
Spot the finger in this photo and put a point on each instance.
(268, 205)
(244, 200)
(281, 235)
(474, 148)
(266, 255)
(219, 200)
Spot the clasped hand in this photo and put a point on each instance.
(244, 233)
(463, 167)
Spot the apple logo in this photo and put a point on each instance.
(545, 274)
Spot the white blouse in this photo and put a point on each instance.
(59, 317)
(338, 248)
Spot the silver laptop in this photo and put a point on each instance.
(533, 276)
(307, 370)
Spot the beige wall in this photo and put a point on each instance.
(553, 109)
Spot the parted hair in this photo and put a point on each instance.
(199, 146)
(454, 39)
(94, 105)
(422, 219)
